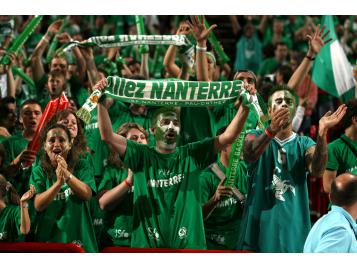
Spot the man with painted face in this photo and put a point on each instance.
(167, 205)
(276, 217)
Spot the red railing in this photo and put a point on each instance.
(37, 247)
(166, 250)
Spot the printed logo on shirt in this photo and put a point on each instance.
(78, 243)
(163, 183)
(64, 195)
(227, 202)
(280, 186)
(91, 126)
(182, 233)
(97, 222)
(219, 239)
(119, 233)
(153, 233)
(3, 236)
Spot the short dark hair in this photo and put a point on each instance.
(344, 190)
(285, 71)
(245, 71)
(350, 112)
(29, 101)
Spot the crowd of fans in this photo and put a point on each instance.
(147, 176)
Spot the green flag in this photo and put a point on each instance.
(331, 71)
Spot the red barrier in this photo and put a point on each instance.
(37, 247)
(166, 250)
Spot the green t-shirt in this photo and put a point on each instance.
(222, 226)
(276, 217)
(10, 219)
(67, 219)
(119, 114)
(167, 199)
(13, 146)
(195, 124)
(340, 156)
(119, 221)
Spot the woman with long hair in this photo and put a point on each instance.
(116, 190)
(14, 216)
(64, 183)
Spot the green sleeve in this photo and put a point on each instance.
(107, 182)
(134, 155)
(202, 152)
(84, 172)
(38, 178)
(332, 162)
(206, 186)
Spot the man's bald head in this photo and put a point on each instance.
(344, 190)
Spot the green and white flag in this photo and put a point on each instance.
(331, 71)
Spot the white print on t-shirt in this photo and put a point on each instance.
(97, 222)
(3, 235)
(119, 233)
(153, 233)
(78, 243)
(182, 232)
(166, 183)
(281, 186)
(226, 202)
(219, 239)
(64, 195)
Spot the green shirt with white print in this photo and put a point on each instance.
(167, 199)
(67, 219)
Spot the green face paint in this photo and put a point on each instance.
(167, 128)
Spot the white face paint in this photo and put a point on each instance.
(283, 99)
(167, 130)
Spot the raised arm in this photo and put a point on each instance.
(25, 222)
(64, 38)
(112, 198)
(254, 146)
(200, 33)
(11, 84)
(107, 134)
(316, 156)
(233, 130)
(316, 42)
(92, 70)
(36, 58)
(169, 60)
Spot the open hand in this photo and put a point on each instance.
(198, 28)
(28, 195)
(316, 40)
(330, 119)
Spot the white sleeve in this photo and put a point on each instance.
(299, 116)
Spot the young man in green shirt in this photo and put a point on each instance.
(167, 203)
(342, 153)
(222, 205)
(276, 215)
(15, 146)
